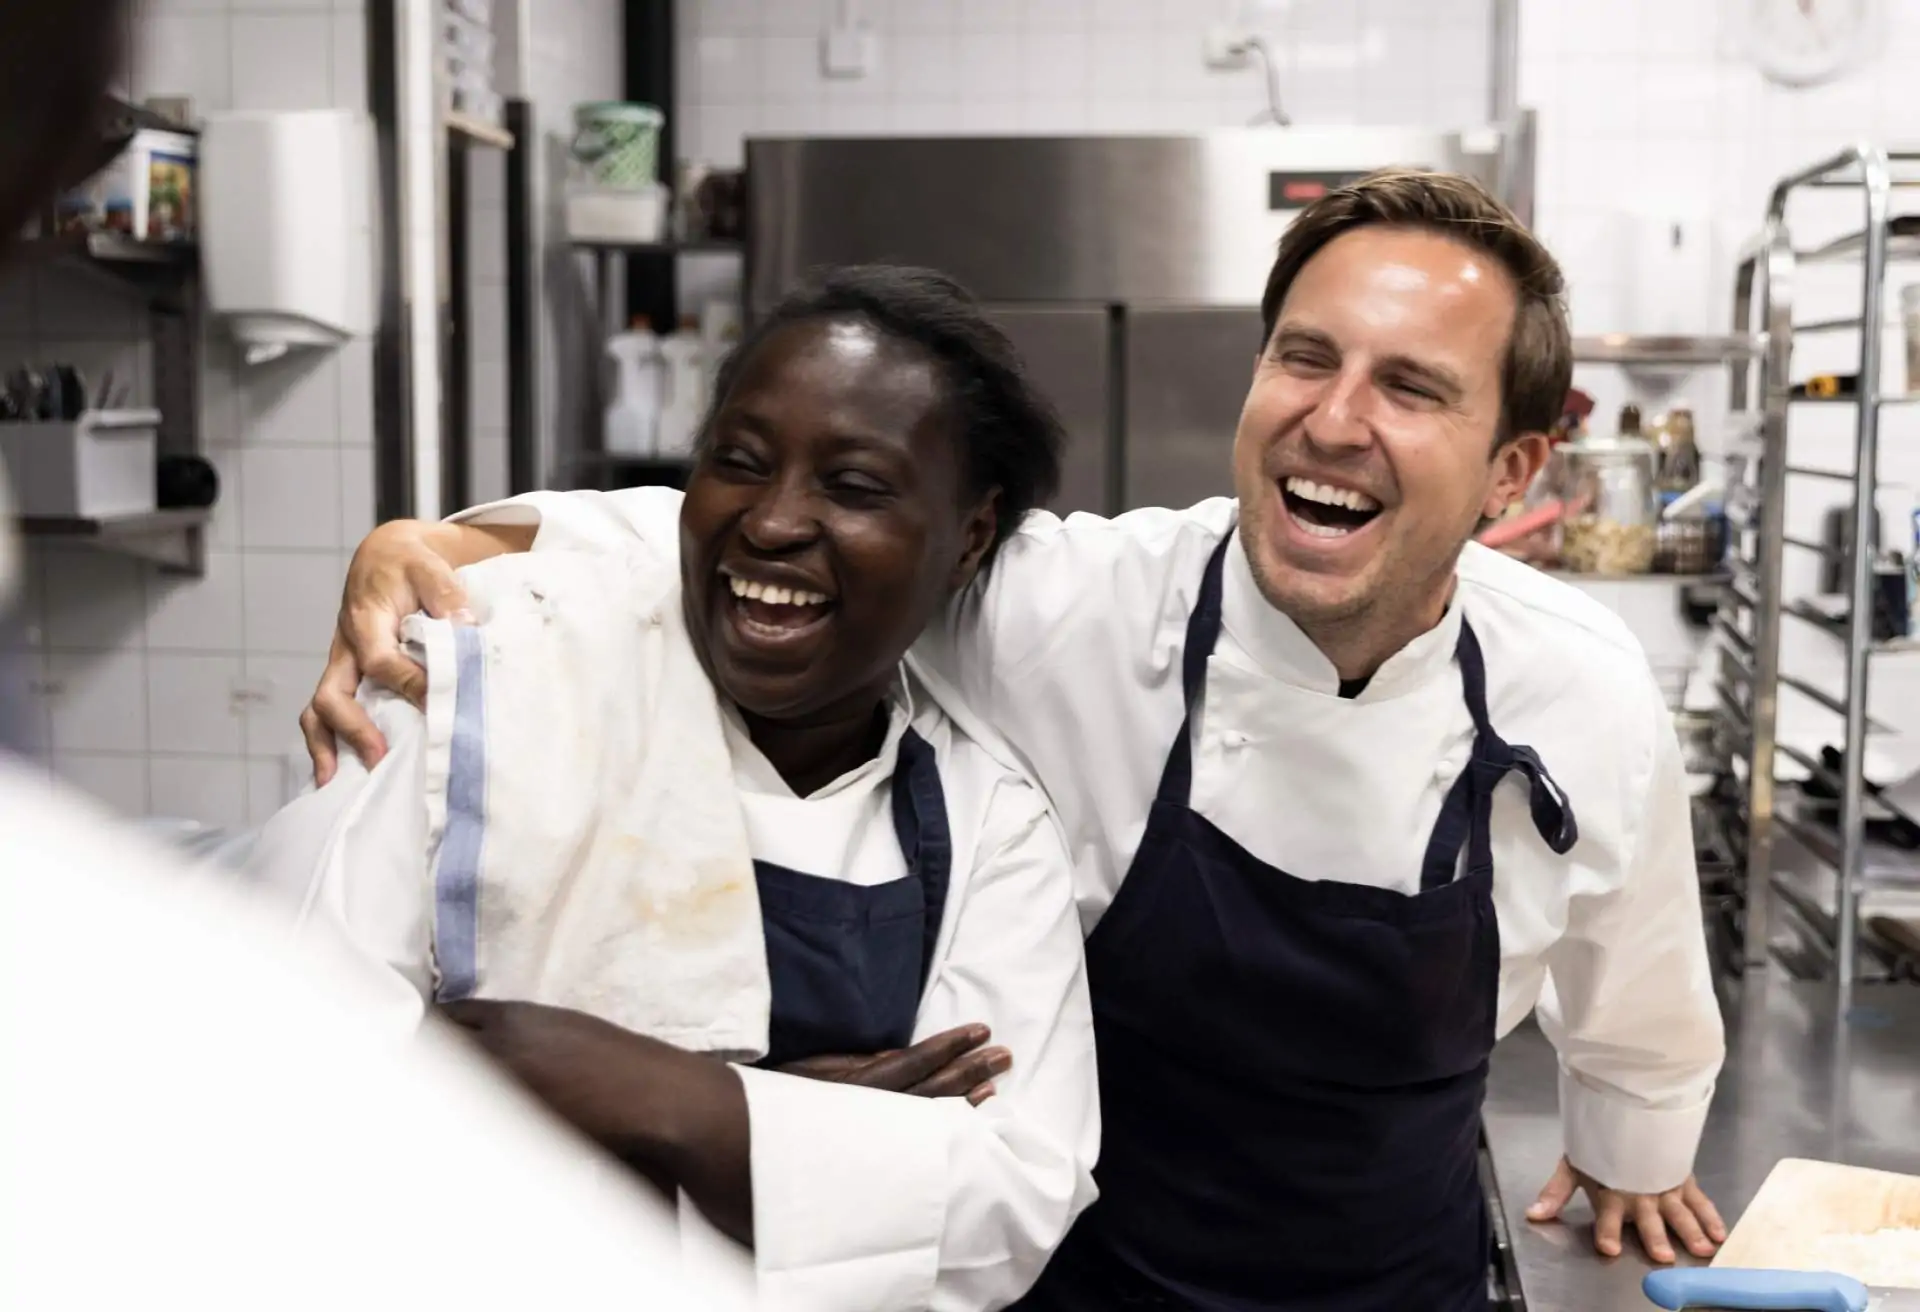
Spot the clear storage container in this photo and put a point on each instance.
(1611, 523)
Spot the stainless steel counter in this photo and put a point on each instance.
(1796, 1084)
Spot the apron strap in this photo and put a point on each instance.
(1203, 631)
(920, 821)
(1466, 815)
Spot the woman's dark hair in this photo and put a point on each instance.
(1010, 435)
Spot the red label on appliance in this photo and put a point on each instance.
(1292, 191)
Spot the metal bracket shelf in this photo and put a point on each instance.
(175, 540)
(166, 275)
(465, 127)
(1627, 349)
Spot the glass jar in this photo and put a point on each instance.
(1688, 544)
(1611, 508)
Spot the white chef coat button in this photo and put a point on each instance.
(1449, 768)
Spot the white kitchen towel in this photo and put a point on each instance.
(590, 851)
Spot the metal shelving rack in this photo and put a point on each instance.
(1747, 630)
(1699, 594)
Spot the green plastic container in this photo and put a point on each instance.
(617, 145)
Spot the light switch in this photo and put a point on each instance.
(849, 52)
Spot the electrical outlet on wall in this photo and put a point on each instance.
(1226, 47)
(849, 50)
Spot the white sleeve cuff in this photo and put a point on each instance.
(849, 1192)
(1626, 1146)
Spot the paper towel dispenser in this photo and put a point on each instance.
(287, 227)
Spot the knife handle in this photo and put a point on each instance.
(1726, 1287)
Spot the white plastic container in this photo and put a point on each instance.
(686, 395)
(604, 214)
(633, 413)
(99, 466)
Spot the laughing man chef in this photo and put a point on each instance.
(1349, 795)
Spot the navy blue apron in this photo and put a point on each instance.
(848, 963)
(1291, 1070)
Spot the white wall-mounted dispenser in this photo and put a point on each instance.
(287, 227)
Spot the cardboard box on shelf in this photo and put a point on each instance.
(147, 193)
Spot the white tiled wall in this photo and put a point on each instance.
(178, 696)
(751, 67)
(1067, 66)
(1651, 107)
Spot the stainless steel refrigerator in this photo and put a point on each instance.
(1128, 270)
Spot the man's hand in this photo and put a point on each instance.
(402, 566)
(1686, 1210)
(948, 1065)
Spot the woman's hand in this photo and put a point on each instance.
(1686, 1210)
(952, 1064)
(678, 1118)
(402, 566)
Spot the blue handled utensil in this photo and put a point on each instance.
(1780, 1291)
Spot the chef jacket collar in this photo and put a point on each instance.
(753, 771)
(1282, 650)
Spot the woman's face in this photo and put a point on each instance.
(823, 526)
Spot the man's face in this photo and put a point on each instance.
(1364, 459)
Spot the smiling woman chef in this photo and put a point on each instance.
(871, 444)
(1320, 759)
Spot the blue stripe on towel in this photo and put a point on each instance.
(456, 884)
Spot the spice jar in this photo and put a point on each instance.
(1610, 524)
(1688, 544)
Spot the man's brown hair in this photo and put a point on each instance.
(1538, 367)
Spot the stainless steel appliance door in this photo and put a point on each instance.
(1173, 220)
(1066, 350)
(1187, 372)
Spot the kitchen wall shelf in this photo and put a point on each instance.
(175, 540)
(700, 246)
(114, 249)
(167, 276)
(478, 131)
(1627, 349)
(1749, 626)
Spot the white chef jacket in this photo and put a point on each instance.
(1072, 650)
(194, 1112)
(861, 1199)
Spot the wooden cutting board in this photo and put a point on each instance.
(1802, 1202)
